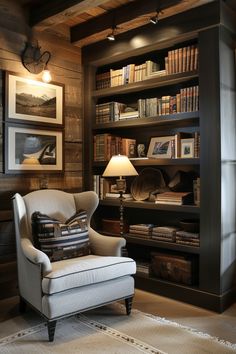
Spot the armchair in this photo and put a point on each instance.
(65, 287)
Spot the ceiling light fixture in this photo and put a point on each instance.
(35, 61)
(111, 36)
(154, 20)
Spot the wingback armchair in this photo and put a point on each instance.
(65, 287)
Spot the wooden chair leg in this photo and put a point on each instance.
(51, 330)
(128, 305)
(22, 305)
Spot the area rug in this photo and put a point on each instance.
(109, 331)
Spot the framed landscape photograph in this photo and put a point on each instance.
(32, 149)
(187, 148)
(160, 147)
(33, 101)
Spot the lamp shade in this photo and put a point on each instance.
(119, 165)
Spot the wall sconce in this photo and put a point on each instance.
(35, 61)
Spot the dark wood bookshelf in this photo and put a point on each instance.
(214, 34)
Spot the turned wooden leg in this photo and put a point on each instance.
(128, 304)
(22, 305)
(51, 330)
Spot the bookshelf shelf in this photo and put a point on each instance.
(156, 162)
(177, 119)
(192, 209)
(147, 84)
(134, 239)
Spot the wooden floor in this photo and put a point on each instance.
(219, 325)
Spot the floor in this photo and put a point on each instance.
(219, 325)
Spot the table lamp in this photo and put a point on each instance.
(120, 166)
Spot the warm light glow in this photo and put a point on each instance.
(111, 37)
(46, 77)
(119, 165)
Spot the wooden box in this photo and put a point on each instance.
(174, 268)
(112, 226)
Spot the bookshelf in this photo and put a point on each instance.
(214, 287)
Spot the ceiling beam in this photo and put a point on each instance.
(119, 16)
(55, 12)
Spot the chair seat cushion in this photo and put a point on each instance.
(77, 272)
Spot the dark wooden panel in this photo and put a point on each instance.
(210, 215)
(73, 157)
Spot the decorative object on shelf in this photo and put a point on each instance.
(31, 150)
(182, 181)
(33, 101)
(161, 147)
(190, 225)
(148, 181)
(187, 148)
(141, 150)
(35, 61)
(119, 165)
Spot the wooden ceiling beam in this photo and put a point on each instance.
(55, 12)
(119, 16)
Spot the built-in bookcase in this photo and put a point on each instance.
(166, 89)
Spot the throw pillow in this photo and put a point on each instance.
(61, 240)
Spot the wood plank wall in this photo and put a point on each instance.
(65, 66)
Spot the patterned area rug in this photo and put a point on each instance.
(109, 331)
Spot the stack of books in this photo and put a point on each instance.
(107, 145)
(188, 238)
(142, 267)
(164, 233)
(143, 230)
(175, 198)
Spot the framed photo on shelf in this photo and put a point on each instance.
(33, 101)
(187, 148)
(32, 149)
(161, 147)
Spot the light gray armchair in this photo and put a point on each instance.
(62, 288)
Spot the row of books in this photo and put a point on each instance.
(126, 75)
(107, 145)
(182, 60)
(187, 100)
(165, 234)
(179, 60)
(174, 198)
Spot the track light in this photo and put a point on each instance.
(111, 36)
(35, 61)
(154, 20)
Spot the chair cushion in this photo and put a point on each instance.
(77, 272)
(61, 240)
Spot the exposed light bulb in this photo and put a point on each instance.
(46, 77)
(111, 37)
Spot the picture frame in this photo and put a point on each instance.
(32, 149)
(187, 148)
(33, 101)
(160, 147)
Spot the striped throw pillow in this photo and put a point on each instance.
(61, 240)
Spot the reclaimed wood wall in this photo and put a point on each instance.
(65, 67)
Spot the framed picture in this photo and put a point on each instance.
(33, 101)
(187, 148)
(32, 149)
(161, 147)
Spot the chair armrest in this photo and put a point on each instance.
(105, 245)
(36, 256)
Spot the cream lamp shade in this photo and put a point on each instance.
(119, 165)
